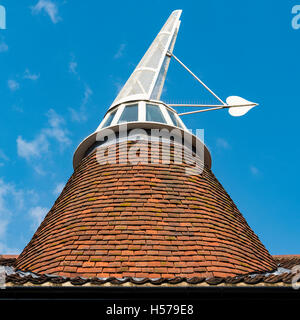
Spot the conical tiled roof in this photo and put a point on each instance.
(144, 220)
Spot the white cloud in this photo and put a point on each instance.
(39, 170)
(87, 93)
(40, 145)
(222, 143)
(3, 157)
(120, 51)
(5, 213)
(49, 7)
(30, 76)
(80, 115)
(34, 196)
(37, 214)
(56, 130)
(12, 208)
(13, 85)
(72, 66)
(34, 148)
(11, 200)
(58, 189)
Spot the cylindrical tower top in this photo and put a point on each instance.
(155, 117)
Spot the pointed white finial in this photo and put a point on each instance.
(147, 80)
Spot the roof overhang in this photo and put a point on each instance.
(87, 143)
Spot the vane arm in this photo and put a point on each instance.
(198, 111)
(203, 84)
(214, 107)
(194, 105)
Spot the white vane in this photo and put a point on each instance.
(147, 80)
(239, 106)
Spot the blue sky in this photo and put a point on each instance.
(62, 63)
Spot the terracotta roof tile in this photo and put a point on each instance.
(8, 259)
(144, 221)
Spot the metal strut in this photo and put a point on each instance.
(170, 54)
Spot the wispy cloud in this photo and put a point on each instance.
(80, 115)
(56, 129)
(73, 65)
(49, 7)
(87, 93)
(222, 143)
(118, 83)
(13, 85)
(14, 202)
(120, 51)
(30, 76)
(11, 201)
(40, 145)
(32, 149)
(58, 189)
(5, 213)
(37, 167)
(37, 215)
(3, 156)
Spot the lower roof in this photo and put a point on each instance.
(287, 267)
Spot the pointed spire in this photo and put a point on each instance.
(147, 80)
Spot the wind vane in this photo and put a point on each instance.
(236, 105)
